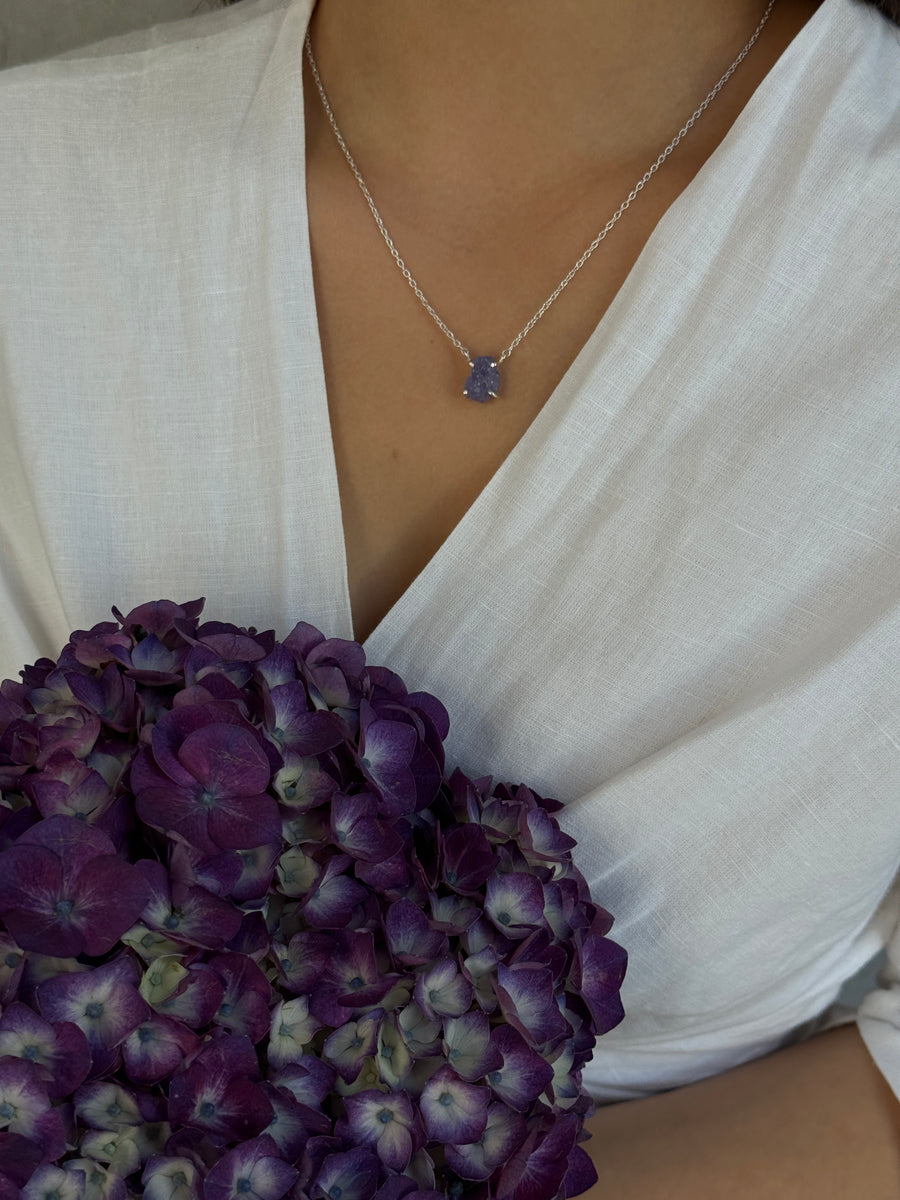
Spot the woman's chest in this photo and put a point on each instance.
(412, 453)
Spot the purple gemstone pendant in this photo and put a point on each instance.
(484, 379)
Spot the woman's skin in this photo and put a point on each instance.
(815, 1121)
(497, 139)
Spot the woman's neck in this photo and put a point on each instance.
(497, 99)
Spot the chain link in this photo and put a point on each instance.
(648, 174)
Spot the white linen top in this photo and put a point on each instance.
(675, 606)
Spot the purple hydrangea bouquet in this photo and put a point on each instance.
(255, 942)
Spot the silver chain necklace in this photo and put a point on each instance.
(484, 378)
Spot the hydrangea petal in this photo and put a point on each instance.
(54, 1183)
(167, 1178)
(454, 1111)
(226, 759)
(514, 902)
(224, 1106)
(351, 1044)
(331, 902)
(287, 1128)
(443, 991)
(581, 1174)
(523, 1074)
(104, 1003)
(504, 1133)
(358, 830)
(156, 1048)
(537, 1169)
(468, 1046)
(254, 1169)
(25, 1107)
(60, 1052)
(195, 998)
(349, 1175)
(107, 1105)
(528, 1002)
(291, 1027)
(411, 939)
(386, 751)
(603, 964)
(468, 858)
(383, 1122)
(12, 966)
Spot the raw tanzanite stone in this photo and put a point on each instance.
(484, 379)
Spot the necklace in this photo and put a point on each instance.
(484, 378)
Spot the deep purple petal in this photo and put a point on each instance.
(33, 903)
(303, 960)
(468, 1044)
(70, 839)
(239, 822)
(331, 902)
(232, 644)
(12, 965)
(294, 727)
(175, 810)
(454, 1111)
(200, 918)
(196, 998)
(226, 759)
(103, 1002)
(383, 1122)
(19, 1157)
(351, 1044)
(244, 1007)
(386, 751)
(287, 1127)
(169, 732)
(528, 1002)
(109, 895)
(468, 858)
(354, 1172)
(309, 1079)
(214, 1101)
(581, 1173)
(156, 1048)
(254, 1168)
(359, 832)
(523, 1074)
(537, 1169)
(71, 1062)
(504, 1133)
(443, 991)
(514, 902)
(545, 839)
(410, 936)
(69, 787)
(60, 1052)
(603, 964)
(257, 869)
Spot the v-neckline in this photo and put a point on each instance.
(624, 306)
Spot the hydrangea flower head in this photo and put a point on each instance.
(256, 943)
